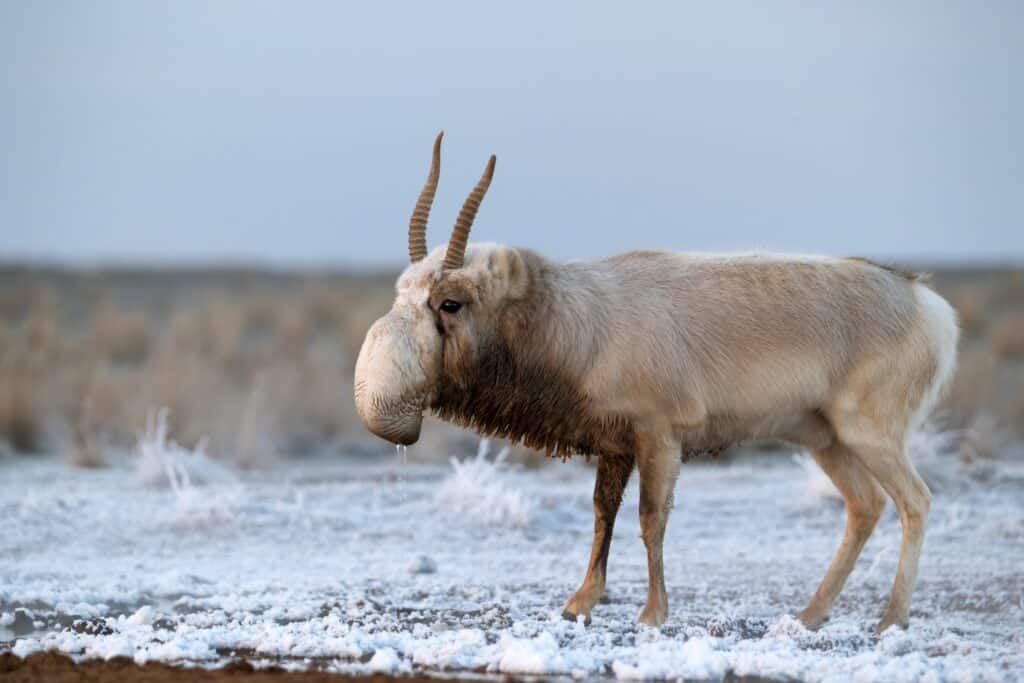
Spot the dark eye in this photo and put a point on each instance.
(449, 306)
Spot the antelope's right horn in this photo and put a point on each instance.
(460, 233)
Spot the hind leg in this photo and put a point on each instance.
(881, 400)
(612, 477)
(879, 443)
(891, 466)
(864, 503)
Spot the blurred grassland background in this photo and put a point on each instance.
(257, 363)
(292, 134)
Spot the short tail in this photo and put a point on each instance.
(909, 275)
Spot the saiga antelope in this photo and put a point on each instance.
(645, 357)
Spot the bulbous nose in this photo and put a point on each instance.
(389, 383)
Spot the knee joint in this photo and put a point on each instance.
(918, 510)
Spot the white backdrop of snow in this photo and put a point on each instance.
(313, 565)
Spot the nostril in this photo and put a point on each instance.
(404, 433)
(408, 439)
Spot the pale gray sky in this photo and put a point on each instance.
(300, 132)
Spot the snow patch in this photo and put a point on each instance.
(697, 658)
(384, 660)
(539, 655)
(143, 616)
(23, 647)
(422, 565)
(314, 571)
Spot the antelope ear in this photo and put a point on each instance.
(508, 273)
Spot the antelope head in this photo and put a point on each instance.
(445, 307)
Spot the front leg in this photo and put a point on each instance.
(658, 469)
(612, 476)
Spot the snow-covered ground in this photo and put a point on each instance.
(346, 565)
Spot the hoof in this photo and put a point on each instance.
(652, 617)
(887, 623)
(811, 620)
(569, 616)
(892, 617)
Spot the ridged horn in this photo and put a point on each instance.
(418, 222)
(460, 233)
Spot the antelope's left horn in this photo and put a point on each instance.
(418, 222)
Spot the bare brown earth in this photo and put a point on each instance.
(53, 667)
(57, 668)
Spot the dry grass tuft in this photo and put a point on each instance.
(254, 441)
(972, 306)
(972, 390)
(1008, 336)
(19, 413)
(83, 451)
(121, 337)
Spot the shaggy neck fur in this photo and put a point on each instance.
(510, 390)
